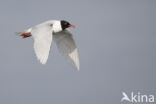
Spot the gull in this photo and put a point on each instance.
(56, 30)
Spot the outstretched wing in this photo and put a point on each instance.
(67, 47)
(42, 35)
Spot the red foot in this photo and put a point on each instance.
(25, 35)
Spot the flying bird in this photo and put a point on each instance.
(56, 30)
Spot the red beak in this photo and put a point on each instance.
(72, 26)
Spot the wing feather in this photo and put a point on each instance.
(67, 47)
(42, 42)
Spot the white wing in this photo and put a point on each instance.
(67, 47)
(42, 35)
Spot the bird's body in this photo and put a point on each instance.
(43, 35)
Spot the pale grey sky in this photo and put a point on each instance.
(117, 46)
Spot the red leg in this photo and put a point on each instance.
(25, 35)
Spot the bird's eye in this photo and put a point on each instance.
(51, 25)
(65, 23)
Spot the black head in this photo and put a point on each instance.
(65, 24)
